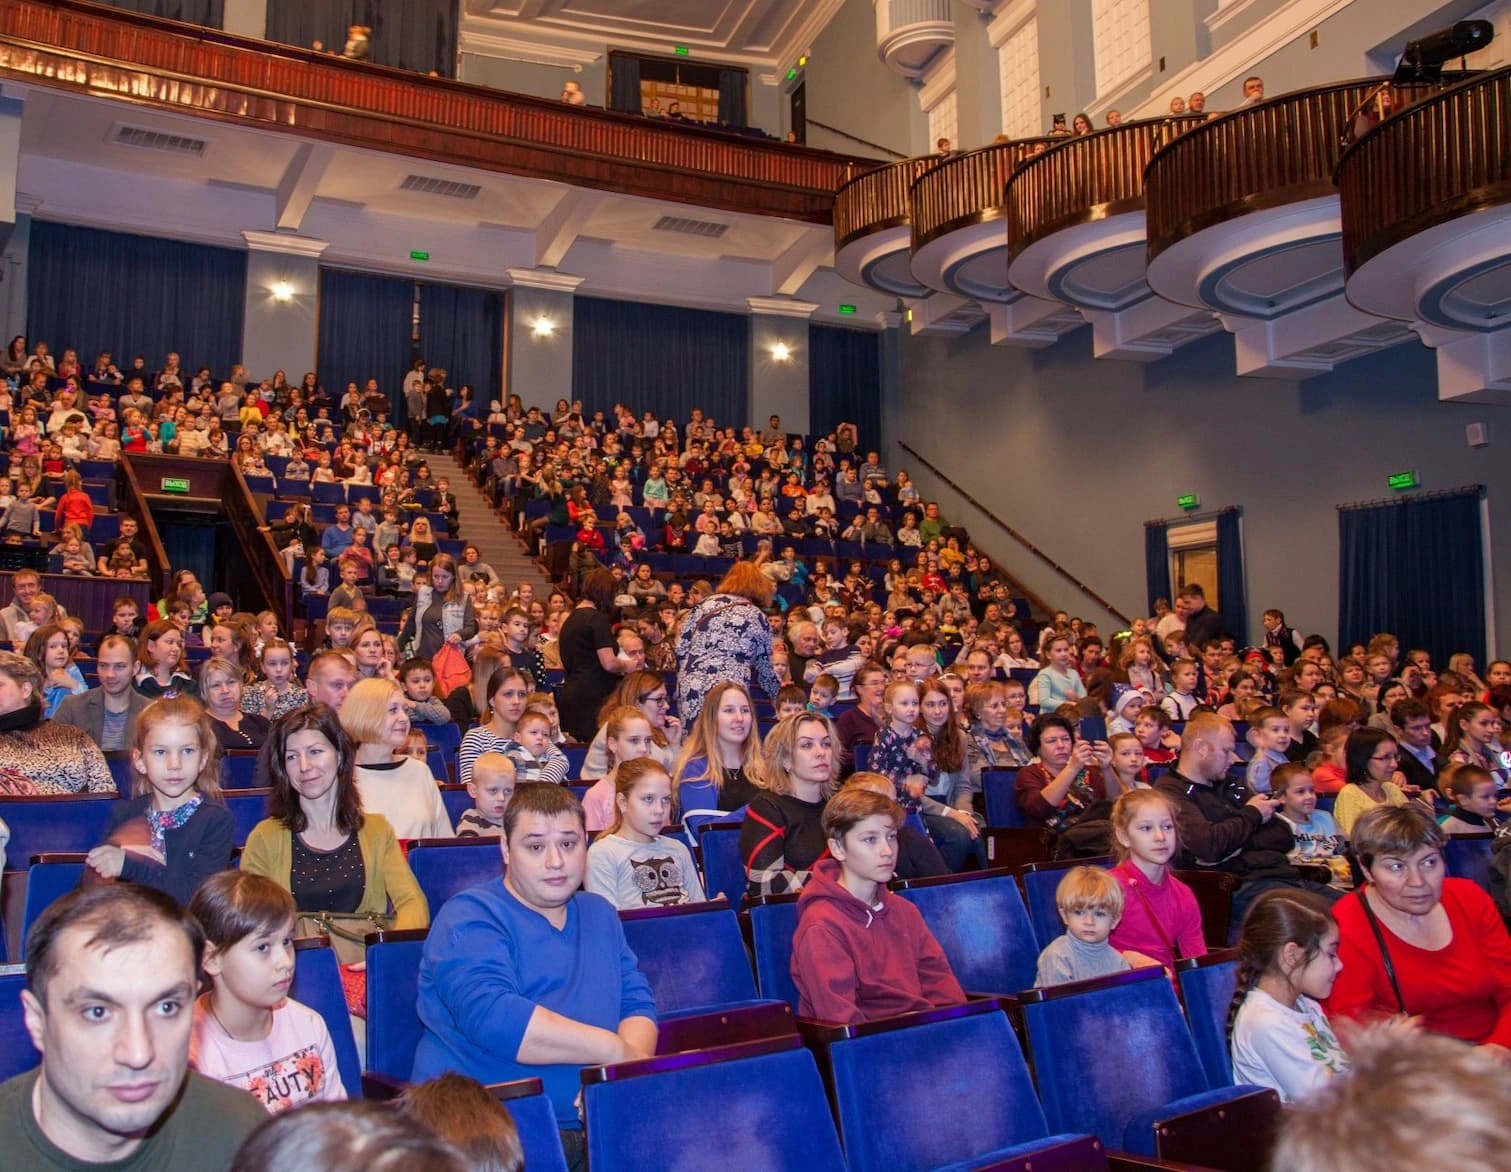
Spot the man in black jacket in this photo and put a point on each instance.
(1219, 831)
(1202, 622)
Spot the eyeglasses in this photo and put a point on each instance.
(1386, 757)
(655, 698)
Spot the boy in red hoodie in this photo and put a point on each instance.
(860, 952)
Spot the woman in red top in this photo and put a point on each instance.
(74, 506)
(1443, 938)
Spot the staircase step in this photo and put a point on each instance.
(484, 528)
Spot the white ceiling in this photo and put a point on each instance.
(767, 34)
(248, 179)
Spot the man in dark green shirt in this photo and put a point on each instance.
(111, 974)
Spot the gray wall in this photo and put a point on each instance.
(779, 388)
(280, 335)
(1076, 453)
(978, 82)
(851, 89)
(540, 369)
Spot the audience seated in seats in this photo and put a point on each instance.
(107, 714)
(389, 782)
(220, 687)
(131, 950)
(491, 787)
(647, 691)
(248, 1032)
(343, 866)
(39, 756)
(1090, 903)
(1160, 917)
(627, 736)
(782, 835)
(860, 952)
(716, 773)
(529, 976)
(632, 864)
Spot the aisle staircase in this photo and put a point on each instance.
(488, 530)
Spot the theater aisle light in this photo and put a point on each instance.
(282, 291)
(780, 351)
(543, 327)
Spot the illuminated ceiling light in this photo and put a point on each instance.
(781, 352)
(543, 327)
(283, 291)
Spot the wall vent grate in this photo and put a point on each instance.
(707, 228)
(443, 187)
(156, 140)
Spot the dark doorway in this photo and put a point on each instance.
(797, 108)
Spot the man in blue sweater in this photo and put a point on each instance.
(529, 976)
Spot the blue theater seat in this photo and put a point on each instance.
(1039, 882)
(723, 869)
(1114, 1057)
(773, 921)
(248, 807)
(983, 927)
(1000, 789)
(317, 984)
(393, 980)
(524, 1099)
(238, 770)
(692, 955)
(1467, 856)
(1206, 988)
(49, 878)
(456, 799)
(43, 825)
(444, 866)
(757, 1105)
(979, 1106)
(17, 1054)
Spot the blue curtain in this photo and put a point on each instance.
(660, 358)
(624, 83)
(210, 13)
(418, 35)
(1157, 561)
(844, 382)
(1414, 567)
(1232, 592)
(462, 330)
(91, 290)
(366, 324)
(732, 97)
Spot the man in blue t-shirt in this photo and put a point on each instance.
(529, 976)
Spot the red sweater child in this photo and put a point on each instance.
(853, 963)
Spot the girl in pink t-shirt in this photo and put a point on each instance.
(1160, 915)
(248, 1032)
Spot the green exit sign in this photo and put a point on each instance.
(1401, 481)
(1189, 501)
(681, 50)
(175, 484)
(847, 309)
(418, 255)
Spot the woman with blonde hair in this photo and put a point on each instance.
(727, 637)
(783, 835)
(390, 783)
(442, 614)
(718, 770)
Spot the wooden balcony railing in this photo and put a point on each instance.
(876, 200)
(1445, 157)
(1084, 179)
(107, 52)
(968, 188)
(1275, 153)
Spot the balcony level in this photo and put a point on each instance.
(1426, 229)
(1243, 219)
(96, 51)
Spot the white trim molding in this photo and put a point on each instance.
(781, 307)
(1009, 19)
(286, 243)
(938, 80)
(544, 279)
(483, 43)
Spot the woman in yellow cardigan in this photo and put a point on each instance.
(317, 842)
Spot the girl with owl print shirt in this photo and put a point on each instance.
(634, 865)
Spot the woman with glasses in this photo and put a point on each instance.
(647, 691)
(1371, 778)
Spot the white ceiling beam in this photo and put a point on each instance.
(301, 180)
(790, 271)
(562, 225)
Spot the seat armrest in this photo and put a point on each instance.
(380, 1088)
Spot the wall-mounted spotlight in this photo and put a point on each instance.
(282, 291)
(780, 351)
(543, 327)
